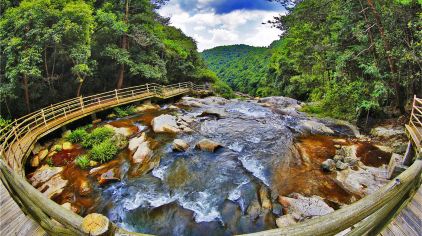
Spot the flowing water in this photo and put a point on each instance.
(202, 193)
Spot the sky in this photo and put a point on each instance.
(224, 22)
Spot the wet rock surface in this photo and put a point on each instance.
(257, 166)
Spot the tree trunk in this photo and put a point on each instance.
(78, 92)
(124, 46)
(26, 93)
(390, 59)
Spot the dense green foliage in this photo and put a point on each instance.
(3, 124)
(101, 143)
(97, 136)
(55, 50)
(77, 136)
(124, 111)
(82, 161)
(242, 67)
(104, 151)
(351, 57)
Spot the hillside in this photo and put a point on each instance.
(243, 67)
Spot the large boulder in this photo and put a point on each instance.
(109, 176)
(142, 153)
(281, 102)
(147, 107)
(217, 112)
(180, 145)
(361, 181)
(264, 198)
(164, 124)
(302, 207)
(254, 210)
(67, 146)
(212, 101)
(43, 174)
(328, 165)
(53, 186)
(35, 161)
(285, 221)
(190, 102)
(42, 154)
(387, 131)
(314, 127)
(135, 142)
(208, 145)
(125, 131)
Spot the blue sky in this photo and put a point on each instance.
(224, 22)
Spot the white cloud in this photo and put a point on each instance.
(210, 29)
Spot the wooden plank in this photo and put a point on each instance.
(416, 207)
(406, 225)
(410, 220)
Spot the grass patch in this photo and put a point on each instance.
(104, 151)
(124, 111)
(83, 161)
(77, 136)
(97, 136)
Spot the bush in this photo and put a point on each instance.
(223, 89)
(82, 161)
(103, 152)
(49, 161)
(3, 123)
(124, 111)
(77, 136)
(97, 136)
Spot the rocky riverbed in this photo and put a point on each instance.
(213, 166)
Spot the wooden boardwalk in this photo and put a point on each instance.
(409, 221)
(18, 142)
(13, 221)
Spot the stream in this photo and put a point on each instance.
(216, 193)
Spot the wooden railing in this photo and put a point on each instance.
(414, 128)
(365, 216)
(17, 137)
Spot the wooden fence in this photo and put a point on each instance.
(414, 128)
(17, 139)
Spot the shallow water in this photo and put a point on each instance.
(201, 193)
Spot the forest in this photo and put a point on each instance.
(53, 50)
(351, 59)
(242, 67)
(365, 52)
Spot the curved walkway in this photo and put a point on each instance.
(23, 133)
(13, 221)
(409, 221)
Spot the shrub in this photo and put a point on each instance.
(104, 151)
(49, 161)
(77, 136)
(97, 136)
(124, 111)
(223, 89)
(82, 161)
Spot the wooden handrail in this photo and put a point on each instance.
(30, 127)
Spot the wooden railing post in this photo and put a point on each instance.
(81, 101)
(17, 138)
(147, 88)
(117, 96)
(43, 116)
(413, 109)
